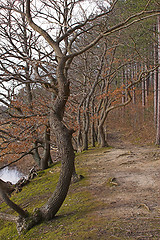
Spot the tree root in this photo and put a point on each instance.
(76, 178)
(25, 224)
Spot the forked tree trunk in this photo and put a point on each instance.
(45, 160)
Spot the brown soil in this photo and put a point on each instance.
(126, 179)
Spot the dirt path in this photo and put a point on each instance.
(126, 179)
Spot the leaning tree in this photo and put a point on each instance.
(59, 25)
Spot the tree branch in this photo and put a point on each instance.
(90, 19)
(18, 159)
(10, 203)
(142, 75)
(42, 32)
(116, 28)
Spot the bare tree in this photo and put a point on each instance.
(20, 92)
(62, 38)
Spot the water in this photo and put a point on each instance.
(10, 174)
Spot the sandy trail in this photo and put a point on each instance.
(126, 179)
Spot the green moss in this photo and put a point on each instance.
(76, 218)
(72, 217)
(8, 231)
(40, 173)
(93, 150)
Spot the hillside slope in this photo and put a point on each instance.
(117, 199)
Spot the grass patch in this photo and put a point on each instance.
(74, 218)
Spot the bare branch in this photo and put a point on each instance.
(122, 25)
(42, 32)
(142, 76)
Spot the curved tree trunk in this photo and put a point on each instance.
(66, 153)
(64, 144)
(4, 195)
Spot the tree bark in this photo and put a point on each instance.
(102, 136)
(143, 94)
(158, 104)
(79, 135)
(93, 140)
(64, 144)
(46, 155)
(35, 154)
(85, 140)
(66, 152)
(4, 196)
(79, 140)
(155, 76)
(86, 121)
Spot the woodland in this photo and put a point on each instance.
(77, 77)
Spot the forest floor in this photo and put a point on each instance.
(126, 179)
